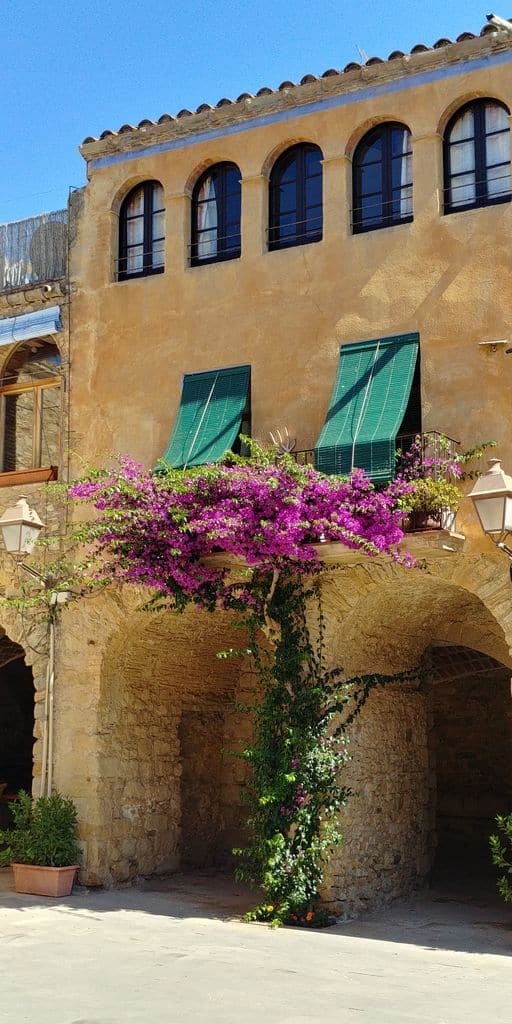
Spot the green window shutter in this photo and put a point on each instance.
(209, 416)
(368, 404)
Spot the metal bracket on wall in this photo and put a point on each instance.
(493, 346)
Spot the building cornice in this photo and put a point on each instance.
(356, 82)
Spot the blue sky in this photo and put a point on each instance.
(72, 69)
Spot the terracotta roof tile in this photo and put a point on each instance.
(288, 85)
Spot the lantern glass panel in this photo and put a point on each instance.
(12, 538)
(29, 535)
(491, 512)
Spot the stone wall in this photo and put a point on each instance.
(144, 712)
(167, 784)
(387, 822)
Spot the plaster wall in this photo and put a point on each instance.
(287, 312)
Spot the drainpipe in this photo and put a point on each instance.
(47, 754)
(44, 758)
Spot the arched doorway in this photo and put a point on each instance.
(16, 724)
(169, 789)
(470, 746)
(431, 755)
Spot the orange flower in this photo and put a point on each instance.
(310, 915)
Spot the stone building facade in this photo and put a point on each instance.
(186, 261)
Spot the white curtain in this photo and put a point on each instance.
(462, 161)
(135, 233)
(207, 221)
(497, 150)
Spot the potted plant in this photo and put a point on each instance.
(433, 471)
(433, 503)
(41, 845)
(501, 853)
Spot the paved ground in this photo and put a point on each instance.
(176, 954)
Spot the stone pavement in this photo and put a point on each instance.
(173, 952)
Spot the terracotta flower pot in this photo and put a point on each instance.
(44, 881)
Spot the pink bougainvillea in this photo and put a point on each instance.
(157, 529)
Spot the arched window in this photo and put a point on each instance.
(477, 156)
(296, 197)
(142, 231)
(382, 178)
(31, 409)
(216, 209)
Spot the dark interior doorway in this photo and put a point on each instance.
(16, 724)
(470, 748)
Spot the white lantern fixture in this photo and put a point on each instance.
(20, 526)
(492, 498)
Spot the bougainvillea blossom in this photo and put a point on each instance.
(157, 529)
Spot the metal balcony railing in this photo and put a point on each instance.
(34, 250)
(435, 448)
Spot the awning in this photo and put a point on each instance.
(209, 416)
(367, 407)
(30, 325)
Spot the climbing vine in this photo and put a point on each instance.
(300, 746)
(161, 530)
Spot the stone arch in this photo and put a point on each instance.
(384, 619)
(461, 101)
(17, 722)
(200, 168)
(278, 151)
(121, 191)
(372, 122)
(166, 788)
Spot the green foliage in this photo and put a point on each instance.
(295, 790)
(473, 455)
(431, 496)
(501, 853)
(43, 832)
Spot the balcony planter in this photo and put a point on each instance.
(44, 881)
(433, 504)
(448, 519)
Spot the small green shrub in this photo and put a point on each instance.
(501, 852)
(431, 496)
(43, 832)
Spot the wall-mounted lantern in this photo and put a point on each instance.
(492, 498)
(20, 526)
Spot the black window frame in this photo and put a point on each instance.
(225, 251)
(305, 237)
(148, 189)
(482, 197)
(388, 219)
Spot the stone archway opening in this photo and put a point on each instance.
(469, 716)
(16, 724)
(431, 755)
(170, 790)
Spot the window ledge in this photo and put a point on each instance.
(29, 476)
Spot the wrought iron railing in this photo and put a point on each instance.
(434, 448)
(33, 250)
